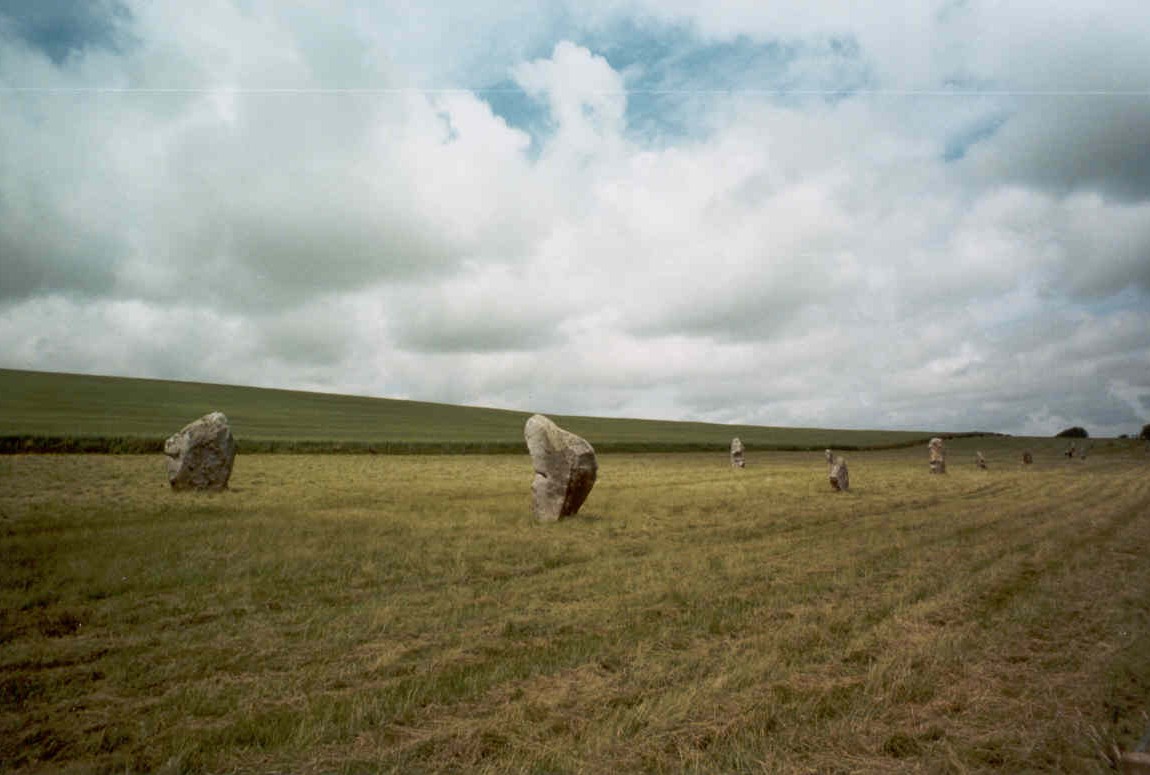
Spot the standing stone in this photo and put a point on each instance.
(201, 454)
(979, 460)
(737, 459)
(937, 456)
(1070, 451)
(837, 472)
(1027, 458)
(565, 469)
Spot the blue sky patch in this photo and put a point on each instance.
(672, 76)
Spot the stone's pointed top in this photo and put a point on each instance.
(544, 433)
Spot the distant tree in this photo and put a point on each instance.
(1145, 434)
(1073, 433)
(1123, 435)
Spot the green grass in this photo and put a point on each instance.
(69, 412)
(404, 614)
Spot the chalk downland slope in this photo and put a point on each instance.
(44, 411)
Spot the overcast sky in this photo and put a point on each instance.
(908, 215)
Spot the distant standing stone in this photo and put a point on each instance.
(1027, 458)
(979, 460)
(565, 469)
(201, 454)
(837, 472)
(937, 456)
(737, 458)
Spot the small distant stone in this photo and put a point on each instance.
(737, 457)
(1027, 458)
(979, 460)
(837, 472)
(565, 469)
(201, 454)
(937, 456)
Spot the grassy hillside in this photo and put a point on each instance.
(376, 614)
(47, 411)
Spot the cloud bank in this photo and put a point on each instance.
(933, 217)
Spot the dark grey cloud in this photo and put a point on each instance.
(65, 28)
(1073, 143)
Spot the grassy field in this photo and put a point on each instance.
(44, 411)
(404, 614)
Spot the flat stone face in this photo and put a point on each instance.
(937, 456)
(201, 454)
(565, 469)
(737, 457)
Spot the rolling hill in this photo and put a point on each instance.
(42, 411)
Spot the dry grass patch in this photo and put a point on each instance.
(366, 614)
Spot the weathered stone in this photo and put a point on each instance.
(1070, 451)
(837, 472)
(737, 458)
(565, 469)
(979, 460)
(937, 456)
(1027, 458)
(201, 454)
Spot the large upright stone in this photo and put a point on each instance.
(201, 454)
(737, 457)
(565, 469)
(837, 472)
(979, 460)
(937, 456)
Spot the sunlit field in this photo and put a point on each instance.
(403, 613)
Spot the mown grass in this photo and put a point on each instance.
(404, 614)
(47, 412)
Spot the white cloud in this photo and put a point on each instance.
(803, 261)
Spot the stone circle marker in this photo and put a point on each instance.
(737, 458)
(937, 456)
(837, 472)
(565, 469)
(200, 455)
